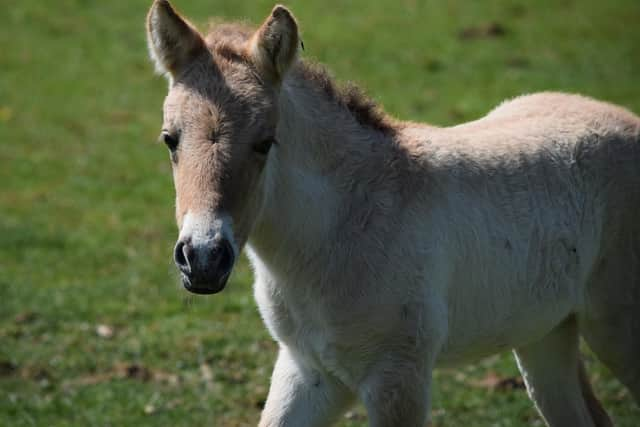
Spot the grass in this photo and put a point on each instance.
(95, 330)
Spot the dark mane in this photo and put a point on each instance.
(363, 108)
(227, 40)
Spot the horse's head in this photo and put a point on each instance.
(219, 125)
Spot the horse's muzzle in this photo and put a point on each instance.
(204, 269)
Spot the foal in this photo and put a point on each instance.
(383, 249)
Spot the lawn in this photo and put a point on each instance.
(94, 327)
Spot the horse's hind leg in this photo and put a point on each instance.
(551, 370)
(614, 336)
(610, 321)
(599, 415)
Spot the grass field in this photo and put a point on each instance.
(94, 328)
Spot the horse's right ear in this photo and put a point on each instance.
(173, 41)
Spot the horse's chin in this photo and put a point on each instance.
(204, 288)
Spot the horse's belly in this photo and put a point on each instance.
(505, 302)
(477, 334)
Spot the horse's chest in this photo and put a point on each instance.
(303, 323)
(287, 316)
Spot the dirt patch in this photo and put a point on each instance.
(483, 31)
(130, 371)
(493, 381)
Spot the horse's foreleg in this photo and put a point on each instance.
(397, 393)
(301, 396)
(551, 370)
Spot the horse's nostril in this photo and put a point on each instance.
(226, 257)
(181, 256)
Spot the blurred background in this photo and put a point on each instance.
(94, 327)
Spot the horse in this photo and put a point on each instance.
(383, 249)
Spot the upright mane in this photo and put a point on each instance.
(226, 40)
(348, 96)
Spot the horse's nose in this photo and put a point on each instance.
(205, 268)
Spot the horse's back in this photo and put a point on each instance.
(597, 144)
(574, 146)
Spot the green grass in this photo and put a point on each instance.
(86, 221)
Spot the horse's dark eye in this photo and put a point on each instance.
(170, 140)
(263, 146)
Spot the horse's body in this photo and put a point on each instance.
(474, 239)
(383, 249)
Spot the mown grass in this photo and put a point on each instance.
(86, 224)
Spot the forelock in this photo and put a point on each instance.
(228, 40)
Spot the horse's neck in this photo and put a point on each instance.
(310, 175)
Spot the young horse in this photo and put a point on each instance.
(383, 249)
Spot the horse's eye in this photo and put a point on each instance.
(170, 140)
(263, 146)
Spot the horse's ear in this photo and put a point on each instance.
(274, 46)
(173, 41)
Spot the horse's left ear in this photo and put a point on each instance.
(274, 46)
(173, 41)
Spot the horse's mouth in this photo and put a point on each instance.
(204, 288)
